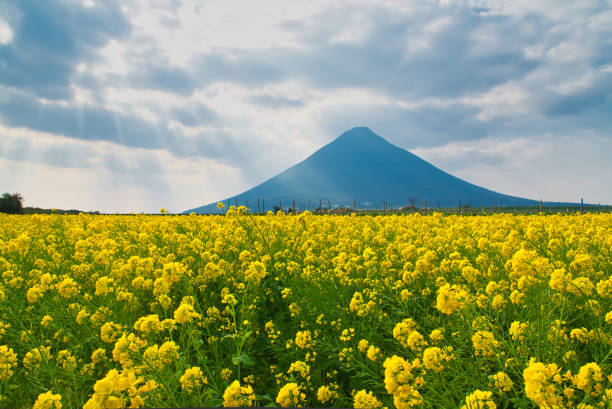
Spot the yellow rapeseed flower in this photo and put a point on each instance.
(479, 400)
(48, 400)
(8, 361)
(192, 378)
(238, 396)
(366, 400)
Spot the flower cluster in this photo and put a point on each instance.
(373, 311)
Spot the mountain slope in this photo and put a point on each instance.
(360, 165)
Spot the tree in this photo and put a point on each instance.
(11, 203)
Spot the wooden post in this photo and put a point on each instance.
(354, 204)
(460, 211)
(425, 206)
(293, 207)
(567, 204)
(320, 206)
(581, 206)
(540, 205)
(263, 205)
(308, 204)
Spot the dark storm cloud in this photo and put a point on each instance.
(51, 38)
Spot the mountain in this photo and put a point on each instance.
(360, 165)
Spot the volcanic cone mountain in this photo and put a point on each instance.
(360, 166)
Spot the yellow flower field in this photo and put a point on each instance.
(500, 311)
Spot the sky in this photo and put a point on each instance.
(135, 105)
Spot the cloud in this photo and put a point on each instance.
(6, 33)
(274, 101)
(104, 176)
(473, 85)
(193, 115)
(51, 38)
(426, 52)
(96, 123)
(163, 78)
(561, 167)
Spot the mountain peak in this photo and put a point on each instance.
(362, 167)
(360, 130)
(360, 134)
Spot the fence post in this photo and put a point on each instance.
(258, 205)
(293, 207)
(354, 204)
(263, 205)
(320, 206)
(308, 204)
(460, 211)
(581, 206)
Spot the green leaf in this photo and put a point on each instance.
(266, 397)
(244, 359)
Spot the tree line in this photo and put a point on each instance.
(11, 203)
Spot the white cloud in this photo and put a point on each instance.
(354, 31)
(508, 99)
(108, 177)
(6, 33)
(197, 27)
(549, 167)
(114, 59)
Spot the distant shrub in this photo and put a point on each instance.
(11, 203)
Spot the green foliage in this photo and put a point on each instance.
(11, 203)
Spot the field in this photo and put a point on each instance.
(445, 311)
